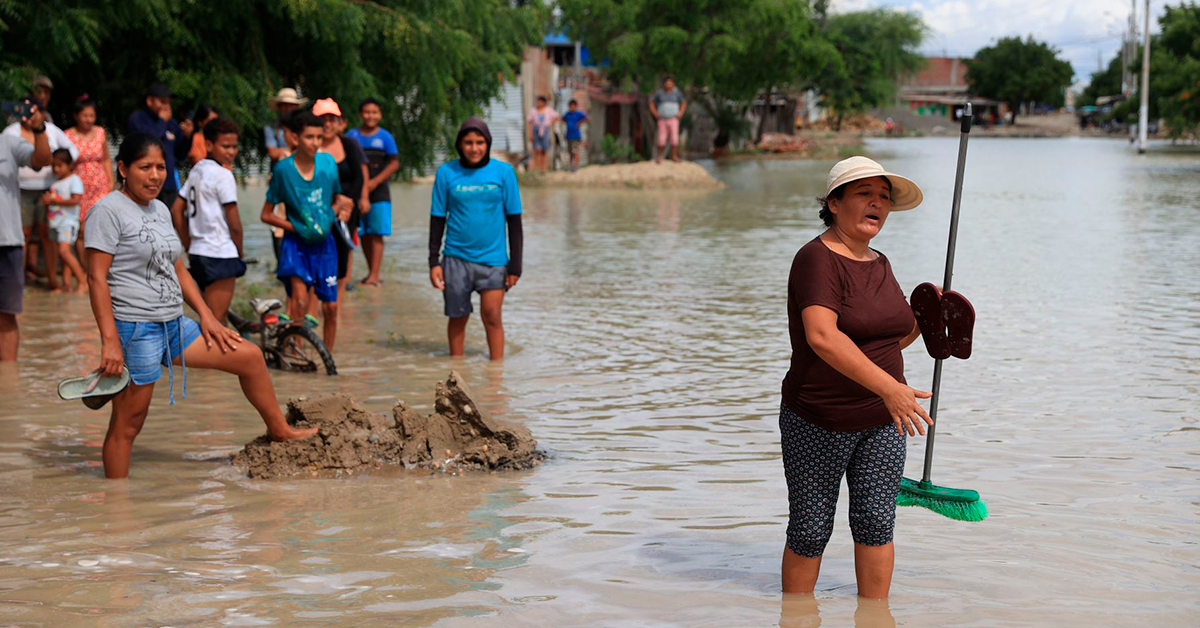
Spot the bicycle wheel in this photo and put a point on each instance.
(301, 351)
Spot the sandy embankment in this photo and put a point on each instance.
(645, 175)
(457, 436)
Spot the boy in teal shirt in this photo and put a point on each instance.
(307, 185)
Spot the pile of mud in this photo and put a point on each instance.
(458, 436)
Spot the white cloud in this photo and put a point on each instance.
(1080, 29)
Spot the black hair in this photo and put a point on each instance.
(825, 215)
(83, 102)
(134, 147)
(837, 193)
(573, 102)
(300, 119)
(63, 155)
(543, 99)
(369, 101)
(218, 127)
(202, 113)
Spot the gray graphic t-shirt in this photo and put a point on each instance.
(144, 247)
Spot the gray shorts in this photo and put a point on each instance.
(12, 279)
(462, 278)
(32, 209)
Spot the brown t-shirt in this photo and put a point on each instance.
(871, 310)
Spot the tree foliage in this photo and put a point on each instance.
(1175, 70)
(1104, 83)
(874, 49)
(1019, 71)
(724, 53)
(430, 63)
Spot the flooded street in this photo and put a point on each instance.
(647, 342)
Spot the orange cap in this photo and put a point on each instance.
(326, 106)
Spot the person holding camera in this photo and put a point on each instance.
(15, 152)
(34, 182)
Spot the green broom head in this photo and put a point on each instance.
(956, 503)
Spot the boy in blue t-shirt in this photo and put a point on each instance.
(307, 185)
(382, 162)
(474, 200)
(573, 119)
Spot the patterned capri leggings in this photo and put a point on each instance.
(814, 460)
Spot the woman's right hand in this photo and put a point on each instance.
(111, 359)
(436, 278)
(907, 414)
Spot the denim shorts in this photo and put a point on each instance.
(148, 346)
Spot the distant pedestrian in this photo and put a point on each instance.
(203, 115)
(306, 183)
(94, 166)
(573, 119)
(43, 88)
(138, 286)
(475, 201)
(667, 105)
(62, 212)
(155, 119)
(16, 153)
(540, 122)
(280, 144)
(284, 102)
(34, 184)
(206, 218)
(352, 174)
(383, 161)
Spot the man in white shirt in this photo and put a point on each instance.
(33, 183)
(15, 152)
(206, 218)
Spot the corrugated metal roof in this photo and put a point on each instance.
(505, 117)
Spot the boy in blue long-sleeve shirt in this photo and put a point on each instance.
(154, 119)
(475, 201)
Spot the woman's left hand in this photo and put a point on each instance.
(214, 332)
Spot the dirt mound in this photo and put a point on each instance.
(641, 175)
(457, 436)
(861, 122)
(785, 143)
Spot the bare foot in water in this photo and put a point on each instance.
(293, 433)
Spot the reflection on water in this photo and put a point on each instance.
(648, 339)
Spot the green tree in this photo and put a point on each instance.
(723, 53)
(432, 64)
(1019, 71)
(1175, 70)
(1104, 83)
(874, 49)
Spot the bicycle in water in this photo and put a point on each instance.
(286, 346)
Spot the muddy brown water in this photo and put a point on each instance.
(647, 343)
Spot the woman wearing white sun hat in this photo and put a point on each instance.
(846, 406)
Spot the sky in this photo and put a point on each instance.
(1079, 29)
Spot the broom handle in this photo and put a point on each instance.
(937, 365)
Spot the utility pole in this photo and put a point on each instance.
(1144, 107)
(1128, 49)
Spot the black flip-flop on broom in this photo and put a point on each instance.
(946, 320)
